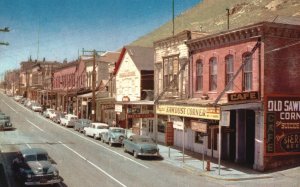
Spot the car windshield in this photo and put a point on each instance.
(38, 157)
(101, 127)
(118, 130)
(144, 140)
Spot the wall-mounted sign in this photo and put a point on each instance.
(177, 122)
(282, 128)
(83, 103)
(225, 119)
(189, 111)
(243, 96)
(140, 115)
(199, 126)
(118, 108)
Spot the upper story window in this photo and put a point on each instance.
(171, 68)
(213, 74)
(199, 75)
(247, 72)
(229, 70)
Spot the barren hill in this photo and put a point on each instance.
(211, 16)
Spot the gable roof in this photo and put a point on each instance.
(142, 57)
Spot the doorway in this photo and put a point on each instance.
(250, 137)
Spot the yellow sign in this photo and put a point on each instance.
(189, 111)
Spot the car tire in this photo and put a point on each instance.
(95, 137)
(135, 154)
(84, 133)
(125, 150)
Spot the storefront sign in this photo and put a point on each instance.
(177, 122)
(243, 96)
(108, 107)
(189, 111)
(199, 126)
(118, 108)
(140, 115)
(83, 103)
(282, 125)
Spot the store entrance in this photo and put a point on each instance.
(250, 137)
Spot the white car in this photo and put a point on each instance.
(95, 130)
(36, 107)
(47, 112)
(65, 121)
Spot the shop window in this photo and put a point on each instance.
(247, 72)
(161, 126)
(198, 138)
(229, 71)
(199, 75)
(213, 74)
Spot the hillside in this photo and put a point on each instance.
(211, 16)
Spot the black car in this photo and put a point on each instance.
(79, 124)
(34, 167)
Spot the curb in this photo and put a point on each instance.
(242, 178)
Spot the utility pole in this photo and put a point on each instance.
(95, 53)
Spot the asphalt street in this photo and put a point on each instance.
(83, 161)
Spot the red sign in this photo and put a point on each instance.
(140, 115)
(169, 136)
(282, 125)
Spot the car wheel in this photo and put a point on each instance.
(125, 150)
(135, 154)
(95, 137)
(84, 133)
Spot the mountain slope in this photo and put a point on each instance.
(211, 16)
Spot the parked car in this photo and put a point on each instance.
(114, 135)
(47, 112)
(95, 130)
(34, 167)
(52, 114)
(58, 116)
(5, 123)
(36, 107)
(140, 146)
(28, 103)
(79, 124)
(18, 98)
(22, 101)
(65, 121)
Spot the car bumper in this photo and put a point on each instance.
(149, 154)
(33, 183)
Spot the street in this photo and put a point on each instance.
(83, 161)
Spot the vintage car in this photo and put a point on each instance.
(95, 130)
(36, 107)
(140, 146)
(58, 116)
(34, 167)
(114, 135)
(65, 121)
(47, 112)
(79, 124)
(5, 123)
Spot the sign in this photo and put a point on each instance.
(199, 126)
(140, 115)
(84, 103)
(282, 128)
(118, 108)
(108, 106)
(169, 134)
(225, 119)
(243, 96)
(177, 122)
(189, 111)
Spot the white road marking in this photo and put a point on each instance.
(97, 167)
(28, 146)
(41, 117)
(35, 125)
(9, 106)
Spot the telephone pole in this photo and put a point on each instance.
(95, 54)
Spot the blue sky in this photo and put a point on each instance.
(63, 27)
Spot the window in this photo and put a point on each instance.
(213, 74)
(171, 68)
(198, 138)
(247, 72)
(199, 75)
(229, 70)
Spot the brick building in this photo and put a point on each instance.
(251, 74)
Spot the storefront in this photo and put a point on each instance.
(194, 127)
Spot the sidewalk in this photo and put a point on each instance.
(193, 162)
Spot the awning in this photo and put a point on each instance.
(87, 95)
(142, 102)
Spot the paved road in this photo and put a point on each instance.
(83, 161)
